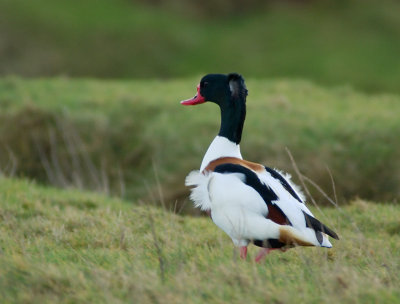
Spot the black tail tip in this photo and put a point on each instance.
(335, 236)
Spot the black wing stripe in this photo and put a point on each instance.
(252, 180)
(269, 243)
(315, 224)
(284, 183)
(267, 194)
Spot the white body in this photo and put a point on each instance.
(239, 210)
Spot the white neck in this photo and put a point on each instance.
(220, 147)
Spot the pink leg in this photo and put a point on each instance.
(262, 254)
(243, 252)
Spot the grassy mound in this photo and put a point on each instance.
(68, 246)
(134, 139)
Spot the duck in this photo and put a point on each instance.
(250, 202)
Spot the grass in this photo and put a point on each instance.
(70, 246)
(331, 42)
(125, 137)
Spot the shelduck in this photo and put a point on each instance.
(248, 201)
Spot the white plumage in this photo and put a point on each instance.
(241, 212)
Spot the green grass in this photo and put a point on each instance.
(128, 137)
(332, 42)
(69, 246)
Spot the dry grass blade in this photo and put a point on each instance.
(301, 178)
(157, 246)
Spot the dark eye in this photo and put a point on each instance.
(204, 84)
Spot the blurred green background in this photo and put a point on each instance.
(353, 42)
(102, 110)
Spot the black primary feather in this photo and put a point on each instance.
(315, 224)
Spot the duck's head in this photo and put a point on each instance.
(220, 89)
(229, 92)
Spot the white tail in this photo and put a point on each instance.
(199, 194)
